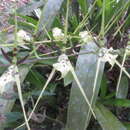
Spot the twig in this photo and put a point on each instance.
(47, 58)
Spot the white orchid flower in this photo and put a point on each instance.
(107, 56)
(85, 36)
(63, 65)
(57, 33)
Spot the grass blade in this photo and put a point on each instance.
(17, 80)
(117, 102)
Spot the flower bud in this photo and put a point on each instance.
(85, 37)
(57, 34)
(22, 35)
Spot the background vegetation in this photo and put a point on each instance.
(65, 65)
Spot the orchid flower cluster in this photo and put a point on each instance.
(63, 64)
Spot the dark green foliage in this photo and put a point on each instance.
(108, 21)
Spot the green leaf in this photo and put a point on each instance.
(127, 125)
(57, 22)
(46, 93)
(127, 23)
(13, 116)
(74, 22)
(36, 78)
(78, 111)
(117, 12)
(99, 3)
(113, 12)
(23, 24)
(103, 87)
(47, 61)
(49, 12)
(109, 96)
(84, 5)
(28, 19)
(106, 119)
(123, 88)
(8, 87)
(68, 79)
(117, 102)
(108, 10)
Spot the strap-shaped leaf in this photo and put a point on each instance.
(7, 83)
(86, 68)
(49, 12)
(123, 88)
(106, 119)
